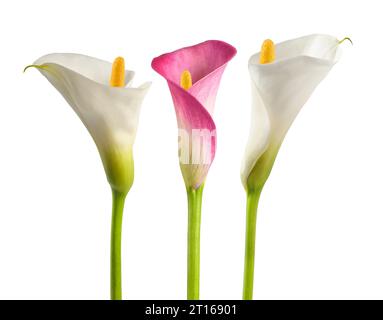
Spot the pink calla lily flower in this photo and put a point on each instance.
(194, 107)
(193, 75)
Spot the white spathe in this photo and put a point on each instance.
(281, 88)
(110, 114)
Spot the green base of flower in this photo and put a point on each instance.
(119, 168)
(255, 182)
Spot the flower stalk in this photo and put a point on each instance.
(194, 228)
(115, 245)
(251, 223)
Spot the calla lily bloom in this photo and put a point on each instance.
(204, 64)
(100, 94)
(193, 75)
(283, 77)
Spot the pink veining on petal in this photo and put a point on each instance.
(194, 108)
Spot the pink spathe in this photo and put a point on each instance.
(194, 107)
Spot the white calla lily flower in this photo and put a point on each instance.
(279, 90)
(100, 94)
(109, 113)
(283, 77)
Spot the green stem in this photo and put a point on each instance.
(115, 245)
(251, 222)
(194, 227)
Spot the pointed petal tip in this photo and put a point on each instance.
(37, 66)
(346, 38)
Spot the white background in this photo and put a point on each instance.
(320, 223)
